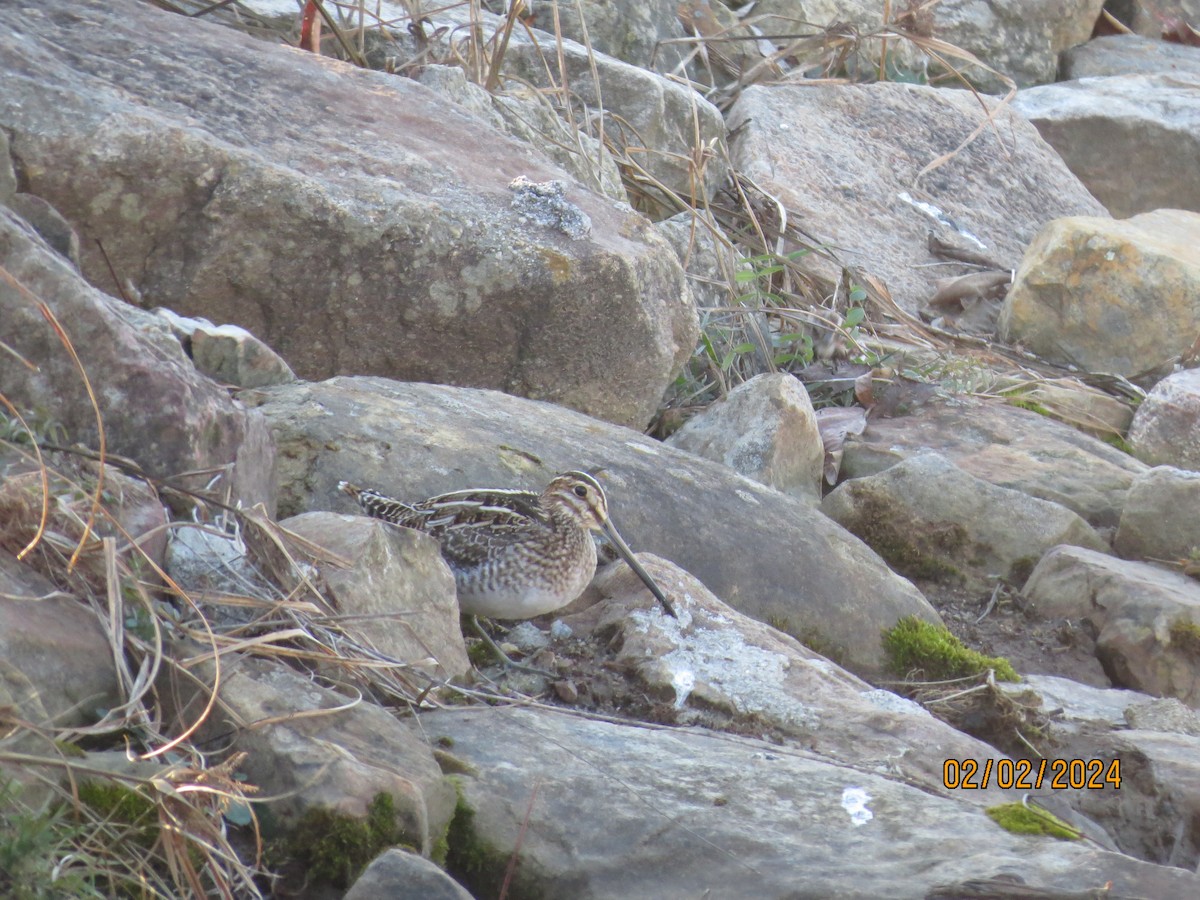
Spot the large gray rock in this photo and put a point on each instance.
(793, 140)
(1133, 140)
(311, 748)
(1166, 427)
(1019, 38)
(1146, 619)
(628, 30)
(718, 668)
(761, 552)
(1128, 54)
(1007, 446)
(930, 519)
(56, 664)
(680, 813)
(1109, 295)
(526, 116)
(1160, 518)
(157, 409)
(764, 429)
(396, 591)
(400, 875)
(1155, 18)
(408, 253)
(663, 125)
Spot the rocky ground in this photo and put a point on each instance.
(856, 353)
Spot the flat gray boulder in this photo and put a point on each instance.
(1133, 140)
(793, 141)
(930, 519)
(1007, 446)
(605, 810)
(763, 553)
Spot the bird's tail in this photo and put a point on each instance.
(377, 505)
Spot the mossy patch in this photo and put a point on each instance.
(1185, 635)
(1020, 819)
(922, 553)
(477, 864)
(913, 645)
(334, 848)
(1021, 569)
(1115, 440)
(116, 803)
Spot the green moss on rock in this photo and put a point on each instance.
(1185, 635)
(335, 848)
(1021, 819)
(913, 644)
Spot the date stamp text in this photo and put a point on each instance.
(1027, 775)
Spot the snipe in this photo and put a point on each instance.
(514, 554)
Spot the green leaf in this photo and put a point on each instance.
(858, 294)
(238, 813)
(854, 316)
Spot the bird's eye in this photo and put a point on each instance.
(580, 490)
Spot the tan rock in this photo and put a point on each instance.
(1108, 295)
(1166, 428)
(1146, 618)
(397, 592)
(764, 429)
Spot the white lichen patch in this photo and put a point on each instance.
(854, 802)
(891, 702)
(683, 681)
(750, 678)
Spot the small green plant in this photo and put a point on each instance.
(1021, 819)
(42, 427)
(40, 856)
(916, 645)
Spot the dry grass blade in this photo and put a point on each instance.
(939, 51)
(87, 384)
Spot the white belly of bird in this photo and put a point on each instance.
(534, 597)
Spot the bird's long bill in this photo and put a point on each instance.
(626, 554)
